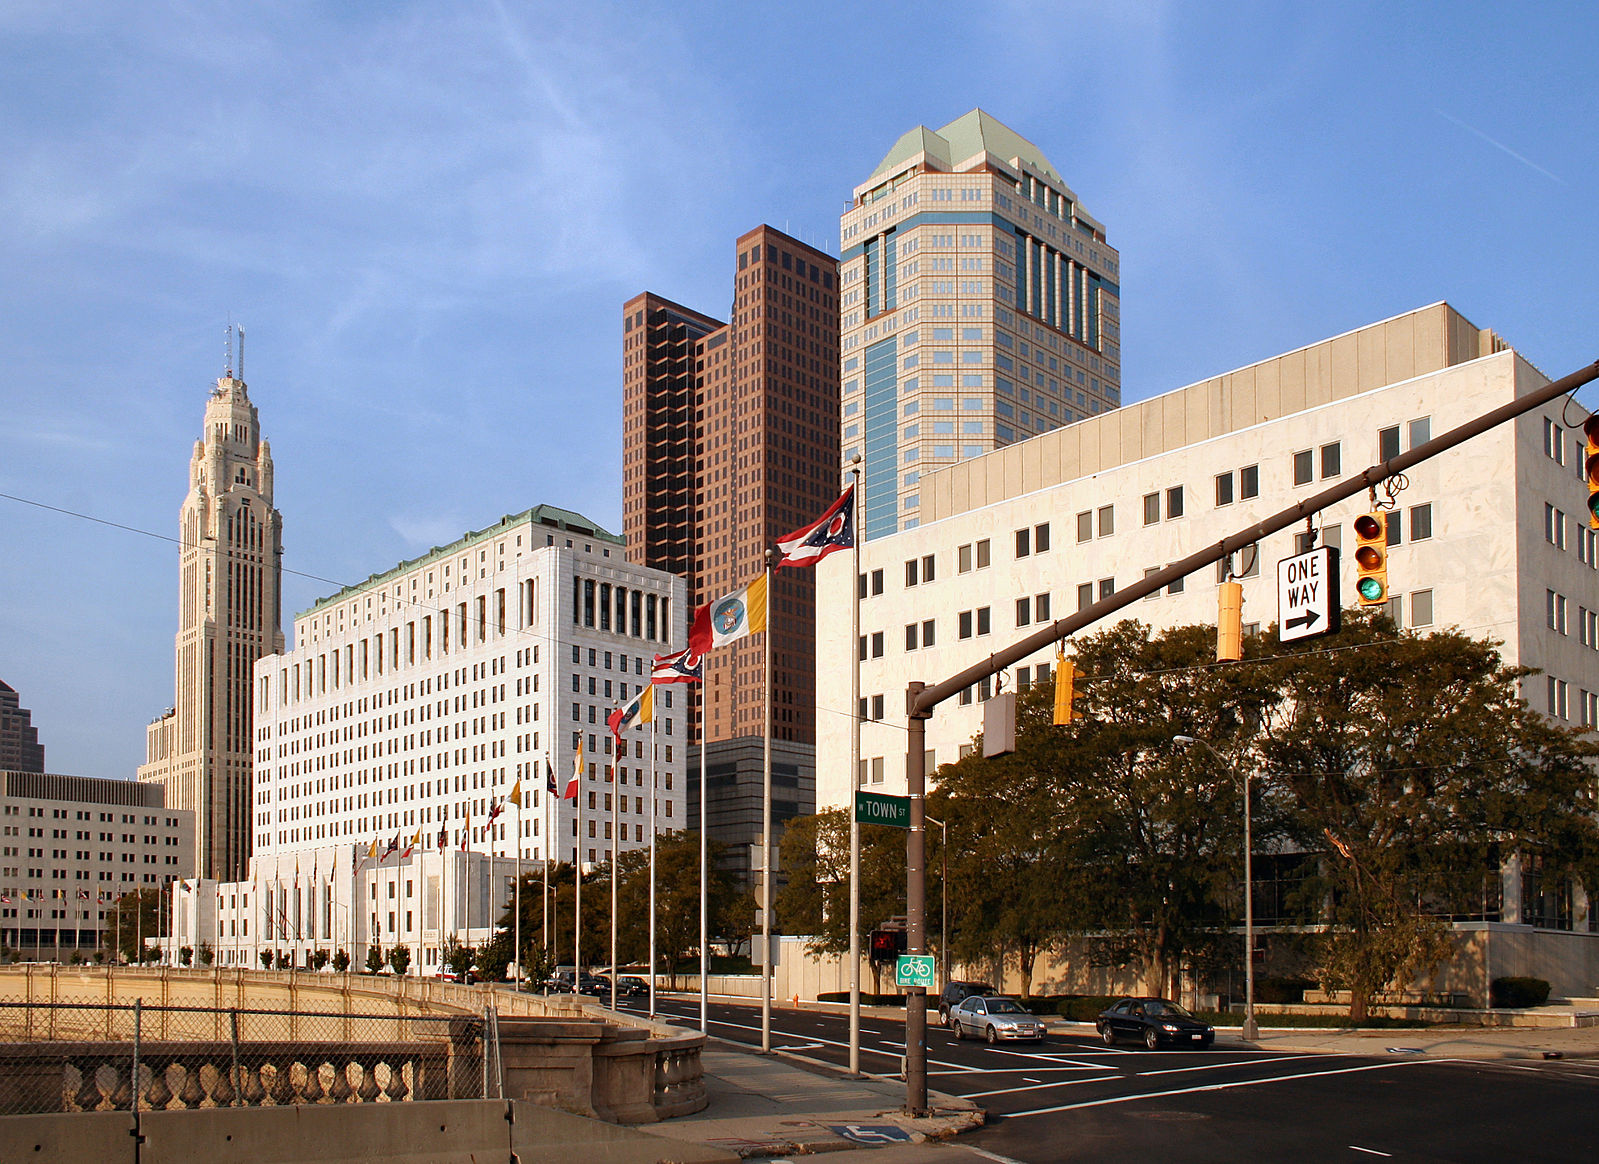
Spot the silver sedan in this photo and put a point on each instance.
(994, 1019)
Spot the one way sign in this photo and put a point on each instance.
(1307, 594)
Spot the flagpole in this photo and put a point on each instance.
(766, 831)
(652, 858)
(855, 783)
(517, 898)
(616, 854)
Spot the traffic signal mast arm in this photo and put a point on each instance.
(921, 699)
(926, 698)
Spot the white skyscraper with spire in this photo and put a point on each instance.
(229, 615)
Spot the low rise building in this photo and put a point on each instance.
(72, 846)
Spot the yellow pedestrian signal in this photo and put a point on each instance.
(1229, 622)
(1065, 683)
(1371, 558)
(1590, 468)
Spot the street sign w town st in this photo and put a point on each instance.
(1307, 594)
(876, 808)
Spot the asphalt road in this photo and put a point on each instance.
(1071, 1098)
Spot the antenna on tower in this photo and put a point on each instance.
(241, 351)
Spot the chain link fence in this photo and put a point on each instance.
(69, 1057)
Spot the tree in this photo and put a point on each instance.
(341, 961)
(374, 959)
(1413, 766)
(400, 960)
(815, 852)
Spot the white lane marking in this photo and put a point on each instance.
(1369, 1151)
(1220, 1066)
(1224, 1086)
(986, 1155)
(1037, 1086)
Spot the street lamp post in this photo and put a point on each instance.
(943, 901)
(1251, 1031)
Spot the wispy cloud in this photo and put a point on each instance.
(1499, 145)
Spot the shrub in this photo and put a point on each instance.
(1516, 993)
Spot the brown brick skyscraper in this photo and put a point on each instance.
(730, 440)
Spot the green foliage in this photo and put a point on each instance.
(1518, 993)
(400, 960)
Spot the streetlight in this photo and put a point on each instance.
(943, 899)
(1251, 1031)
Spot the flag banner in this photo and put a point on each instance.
(640, 710)
(549, 777)
(577, 773)
(683, 667)
(834, 530)
(729, 619)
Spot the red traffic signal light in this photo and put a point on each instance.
(1371, 558)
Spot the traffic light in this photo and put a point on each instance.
(1229, 622)
(1590, 468)
(1371, 558)
(1065, 684)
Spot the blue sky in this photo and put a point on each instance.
(427, 216)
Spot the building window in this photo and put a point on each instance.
(1420, 522)
(1304, 467)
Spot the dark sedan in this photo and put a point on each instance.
(1158, 1022)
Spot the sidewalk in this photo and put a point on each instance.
(772, 1105)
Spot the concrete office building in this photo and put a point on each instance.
(229, 615)
(980, 305)
(20, 749)
(72, 846)
(730, 440)
(1490, 538)
(415, 702)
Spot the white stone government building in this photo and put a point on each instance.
(1490, 538)
(413, 703)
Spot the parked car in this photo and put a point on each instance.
(955, 992)
(1159, 1022)
(993, 1017)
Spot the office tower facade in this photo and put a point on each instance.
(980, 306)
(229, 615)
(20, 749)
(730, 440)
